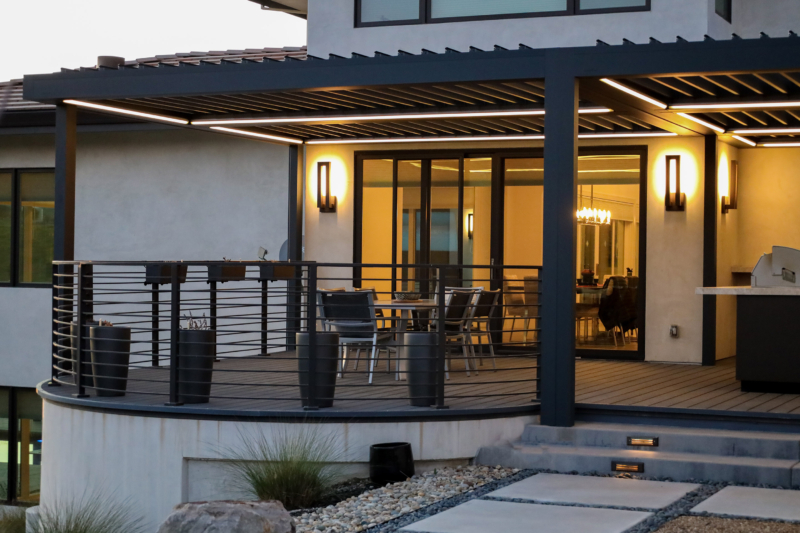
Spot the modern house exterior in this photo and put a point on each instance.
(463, 135)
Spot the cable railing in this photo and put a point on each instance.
(277, 337)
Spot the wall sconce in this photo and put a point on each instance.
(325, 202)
(732, 200)
(674, 199)
(470, 224)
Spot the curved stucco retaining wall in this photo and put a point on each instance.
(156, 463)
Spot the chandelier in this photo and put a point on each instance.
(589, 215)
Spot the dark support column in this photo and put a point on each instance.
(295, 247)
(66, 142)
(558, 286)
(710, 251)
(13, 438)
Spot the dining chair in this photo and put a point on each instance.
(516, 306)
(458, 307)
(483, 311)
(611, 306)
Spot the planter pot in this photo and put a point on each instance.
(111, 354)
(422, 353)
(275, 272)
(197, 350)
(392, 462)
(223, 273)
(327, 368)
(162, 274)
(88, 380)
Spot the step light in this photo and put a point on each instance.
(643, 441)
(627, 467)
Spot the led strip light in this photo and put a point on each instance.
(123, 111)
(260, 135)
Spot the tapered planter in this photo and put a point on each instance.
(392, 462)
(422, 352)
(277, 271)
(88, 380)
(162, 274)
(327, 360)
(197, 350)
(111, 354)
(223, 273)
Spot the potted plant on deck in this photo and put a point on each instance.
(110, 356)
(197, 350)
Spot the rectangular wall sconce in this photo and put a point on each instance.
(674, 199)
(325, 202)
(627, 467)
(732, 200)
(643, 441)
(470, 224)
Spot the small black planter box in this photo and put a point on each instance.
(197, 350)
(422, 352)
(327, 368)
(111, 354)
(277, 271)
(392, 462)
(162, 274)
(88, 380)
(223, 273)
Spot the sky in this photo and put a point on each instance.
(42, 36)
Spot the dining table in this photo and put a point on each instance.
(405, 307)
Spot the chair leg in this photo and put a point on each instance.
(513, 323)
(466, 356)
(525, 332)
(342, 360)
(491, 350)
(372, 362)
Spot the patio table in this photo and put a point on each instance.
(405, 307)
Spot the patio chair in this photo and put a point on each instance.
(352, 316)
(483, 311)
(515, 306)
(458, 309)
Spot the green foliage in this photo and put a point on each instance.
(294, 466)
(12, 520)
(91, 514)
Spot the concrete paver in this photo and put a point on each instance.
(753, 502)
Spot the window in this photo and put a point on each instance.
(395, 12)
(725, 9)
(27, 215)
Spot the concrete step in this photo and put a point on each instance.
(670, 439)
(677, 466)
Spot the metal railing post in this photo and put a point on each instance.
(156, 321)
(441, 274)
(79, 333)
(311, 328)
(264, 314)
(174, 344)
(13, 449)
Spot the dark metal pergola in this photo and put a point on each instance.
(751, 86)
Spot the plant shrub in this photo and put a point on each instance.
(88, 515)
(12, 521)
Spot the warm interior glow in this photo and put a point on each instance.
(702, 122)
(594, 216)
(632, 92)
(123, 111)
(745, 140)
(673, 176)
(260, 135)
(324, 179)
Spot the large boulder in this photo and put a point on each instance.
(229, 517)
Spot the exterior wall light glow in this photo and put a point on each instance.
(732, 200)
(122, 111)
(674, 199)
(703, 122)
(260, 135)
(745, 140)
(637, 94)
(470, 224)
(325, 202)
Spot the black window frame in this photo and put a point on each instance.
(729, 16)
(15, 222)
(573, 8)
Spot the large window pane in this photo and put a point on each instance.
(36, 218)
(6, 211)
(477, 233)
(376, 232)
(409, 223)
(481, 8)
(611, 4)
(389, 10)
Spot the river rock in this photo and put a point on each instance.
(230, 517)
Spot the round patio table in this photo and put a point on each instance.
(405, 307)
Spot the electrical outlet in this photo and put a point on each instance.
(673, 332)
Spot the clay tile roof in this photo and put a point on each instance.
(11, 98)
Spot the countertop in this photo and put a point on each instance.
(749, 291)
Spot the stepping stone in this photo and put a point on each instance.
(481, 516)
(587, 490)
(753, 502)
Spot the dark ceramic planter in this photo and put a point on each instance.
(392, 462)
(88, 380)
(223, 273)
(327, 368)
(197, 350)
(422, 353)
(162, 274)
(111, 354)
(275, 272)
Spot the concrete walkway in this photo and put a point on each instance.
(555, 503)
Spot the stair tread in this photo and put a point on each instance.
(639, 430)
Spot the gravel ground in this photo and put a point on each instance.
(384, 504)
(705, 524)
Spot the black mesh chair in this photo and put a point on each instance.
(611, 312)
(479, 325)
(458, 308)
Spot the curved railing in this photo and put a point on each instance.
(260, 338)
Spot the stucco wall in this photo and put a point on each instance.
(148, 196)
(331, 30)
(774, 17)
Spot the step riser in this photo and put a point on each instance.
(654, 467)
(732, 446)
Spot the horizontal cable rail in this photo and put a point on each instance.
(294, 336)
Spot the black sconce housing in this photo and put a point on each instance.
(325, 202)
(674, 200)
(732, 200)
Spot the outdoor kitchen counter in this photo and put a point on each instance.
(767, 348)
